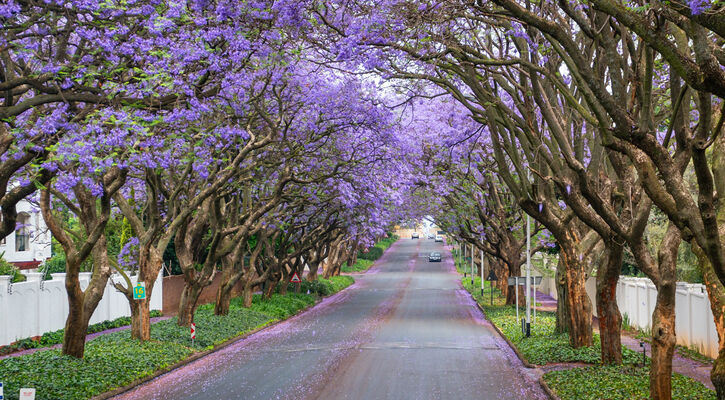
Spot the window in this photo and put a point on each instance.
(22, 232)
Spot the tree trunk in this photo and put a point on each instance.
(663, 343)
(187, 304)
(716, 294)
(140, 319)
(150, 263)
(76, 325)
(563, 319)
(577, 300)
(312, 274)
(82, 304)
(223, 298)
(610, 319)
(248, 294)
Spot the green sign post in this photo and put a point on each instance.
(139, 291)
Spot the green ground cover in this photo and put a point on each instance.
(115, 360)
(619, 383)
(365, 260)
(56, 337)
(630, 381)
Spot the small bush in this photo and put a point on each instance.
(371, 254)
(9, 269)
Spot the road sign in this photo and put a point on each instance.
(295, 278)
(27, 394)
(1, 391)
(193, 331)
(492, 276)
(139, 291)
(535, 280)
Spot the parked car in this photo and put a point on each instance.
(415, 235)
(434, 257)
(439, 238)
(431, 236)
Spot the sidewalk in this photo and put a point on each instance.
(682, 365)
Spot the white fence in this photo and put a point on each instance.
(636, 297)
(35, 307)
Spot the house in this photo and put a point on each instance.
(30, 244)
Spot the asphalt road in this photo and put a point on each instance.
(405, 330)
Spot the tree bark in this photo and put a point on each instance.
(141, 319)
(577, 300)
(663, 343)
(187, 304)
(151, 261)
(716, 294)
(563, 318)
(610, 319)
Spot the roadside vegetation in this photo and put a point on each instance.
(366, 259)
(114, 360)
(56, 337)
(545, 346)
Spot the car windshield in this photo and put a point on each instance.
(435, 254)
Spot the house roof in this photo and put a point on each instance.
(26, 264)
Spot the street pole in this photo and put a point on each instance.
(472, 273)
(481, 255)
(463, 267)
(516, 289)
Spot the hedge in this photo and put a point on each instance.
(114, 360)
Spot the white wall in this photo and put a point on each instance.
(27, 310)
(636, 297)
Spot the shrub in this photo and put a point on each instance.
(371, 254)
(9, 269)
(54, 264)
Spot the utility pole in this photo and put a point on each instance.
(481, 255)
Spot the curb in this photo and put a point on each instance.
(547, 389)
(516, 350)
(195, 356)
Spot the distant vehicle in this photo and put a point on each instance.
(415, 235)
(434, 257)
(431, 236)
(439, 238)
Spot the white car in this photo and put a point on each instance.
(414, 235)
(439, 238)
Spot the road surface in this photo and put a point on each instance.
(404, 330)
